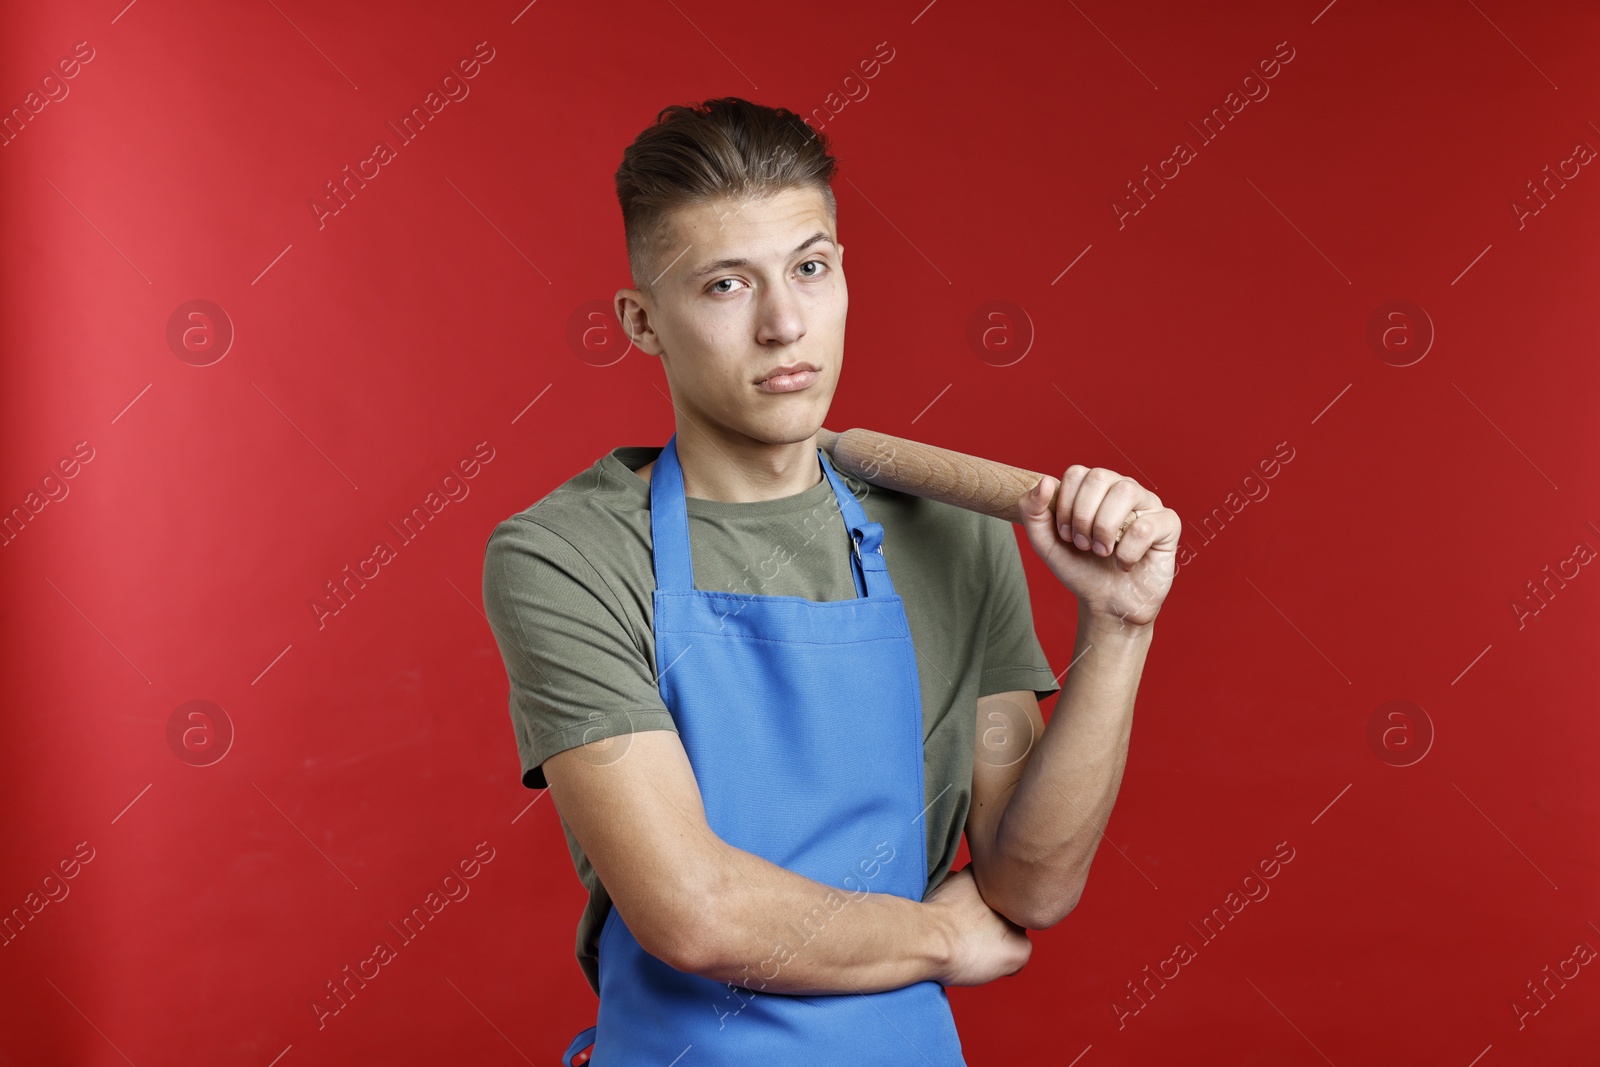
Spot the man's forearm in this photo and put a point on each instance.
(772, 930)
(1052, 823)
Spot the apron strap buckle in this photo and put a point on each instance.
(872, 534)
(855, 544)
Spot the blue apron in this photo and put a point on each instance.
(802, 720)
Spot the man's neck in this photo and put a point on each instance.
(744, 472)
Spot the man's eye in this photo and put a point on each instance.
(813, 263)
(719, 281)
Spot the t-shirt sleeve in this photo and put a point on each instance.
(1012, 656)
(576, 671)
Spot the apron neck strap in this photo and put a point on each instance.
(669, 529)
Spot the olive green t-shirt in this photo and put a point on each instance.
(568, 583)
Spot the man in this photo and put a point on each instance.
(766, 718)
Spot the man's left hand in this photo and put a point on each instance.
(1125, 579)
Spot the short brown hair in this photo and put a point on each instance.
(723, 148)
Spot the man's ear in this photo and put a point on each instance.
(633, 312)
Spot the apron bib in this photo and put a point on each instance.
(802, 720)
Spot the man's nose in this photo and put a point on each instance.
(780, 318)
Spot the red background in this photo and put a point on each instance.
(371, 751)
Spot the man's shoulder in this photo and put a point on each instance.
(950, 526)
(598, 512)
(601, 494)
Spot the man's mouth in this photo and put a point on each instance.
(788, 378)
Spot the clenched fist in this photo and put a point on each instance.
(1116, 568)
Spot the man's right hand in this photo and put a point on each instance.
(984, 945)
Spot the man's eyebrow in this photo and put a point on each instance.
(724, 264)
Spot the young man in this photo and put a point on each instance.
(768, 699)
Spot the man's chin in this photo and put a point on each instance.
(789, 422)
(797, 428)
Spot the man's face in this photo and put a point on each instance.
(747, 287)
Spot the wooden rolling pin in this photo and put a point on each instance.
(981, 485)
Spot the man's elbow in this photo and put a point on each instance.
(681, 947)
(1043, 914)
(1037, 902)
(686, 931)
